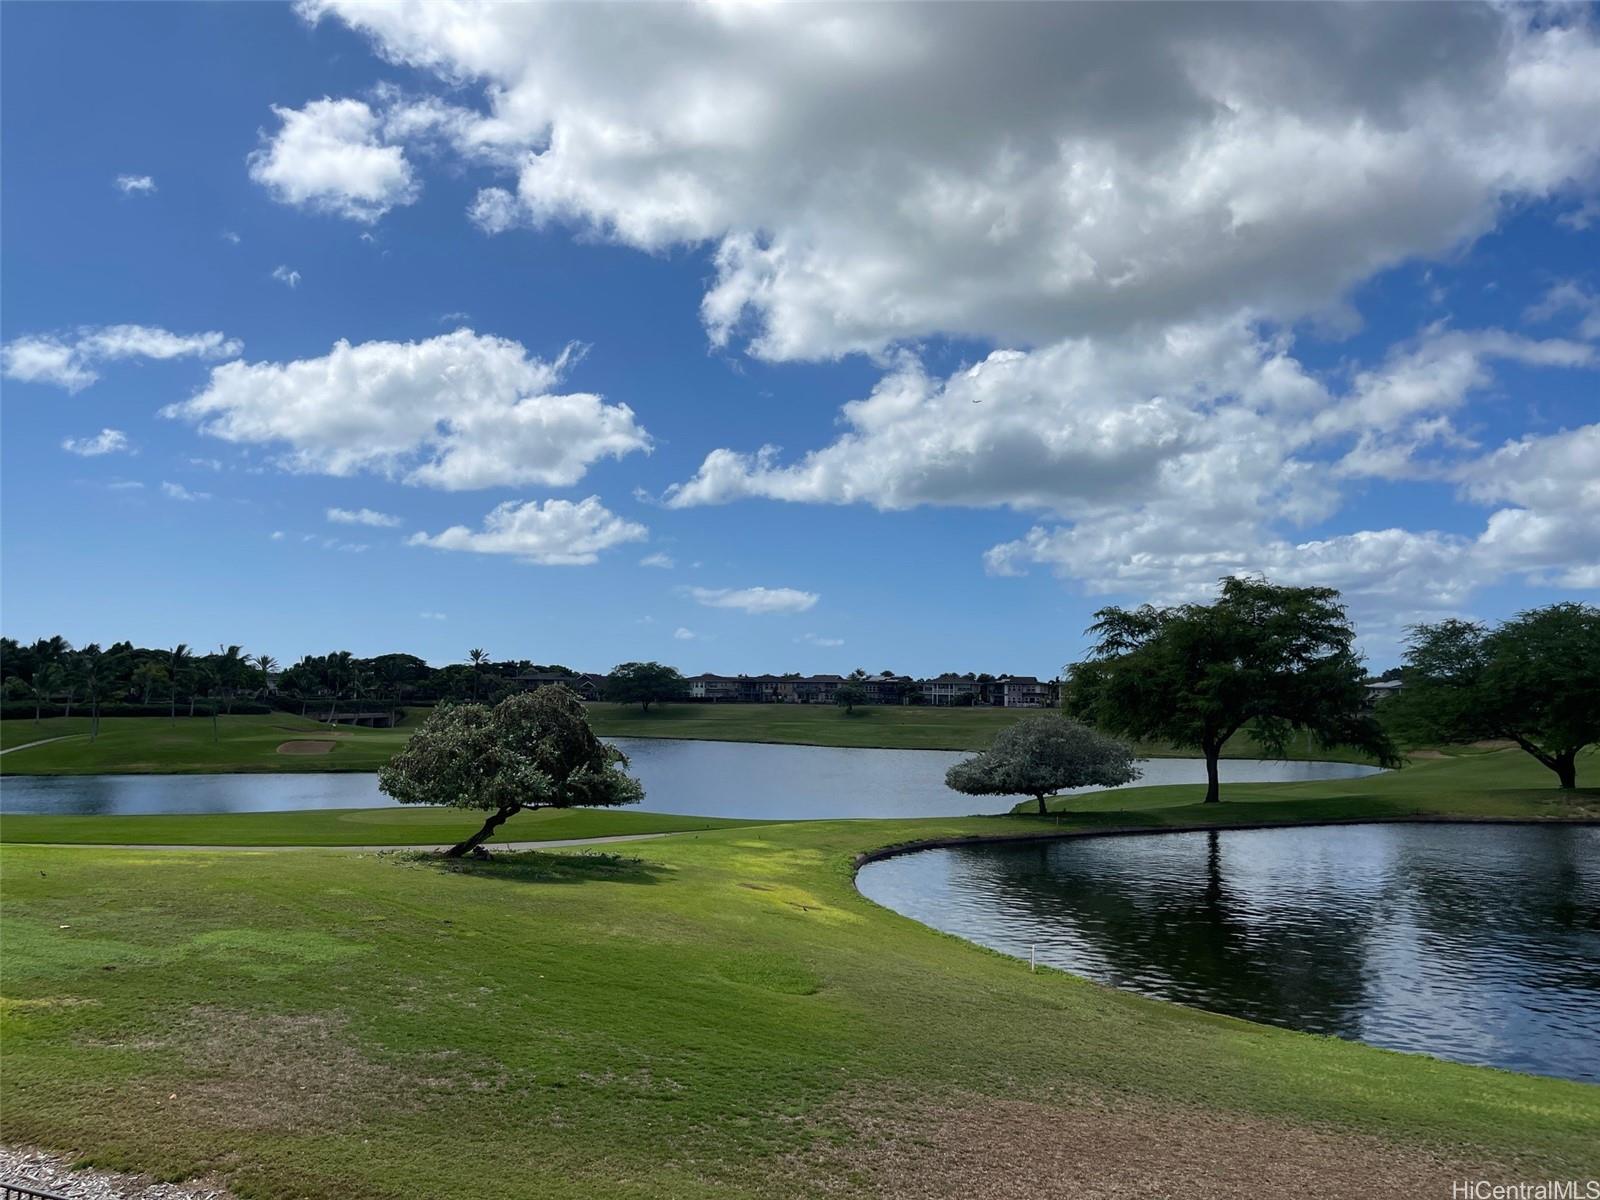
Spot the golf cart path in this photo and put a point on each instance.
(41, 742)
(552, 844)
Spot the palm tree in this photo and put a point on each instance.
(479, 659)
(267, 665)
(340, 667)
(46, 682)
(230, 672)
(179, 661)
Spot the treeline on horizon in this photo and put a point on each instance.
(53, 674)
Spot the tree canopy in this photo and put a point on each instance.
(644, 684)
(850, 694)
(1040, 756)
(1279, 659)
(532, 750)
(1534, 680)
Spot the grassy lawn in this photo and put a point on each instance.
(140, 745)
(341, 827)
(722, 1015)
(154, 745)
(16, 732)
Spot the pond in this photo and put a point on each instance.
(1479, 943)
(708, 779)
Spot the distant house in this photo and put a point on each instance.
(1023, 691)
(588, 687)
(1381, 689)
(946, 690)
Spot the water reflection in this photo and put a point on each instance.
(1480, 943)
(713, 779)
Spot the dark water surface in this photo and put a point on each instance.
(708, 779)
(1479, 943)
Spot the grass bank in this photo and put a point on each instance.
(717, 1014)
(154, 745)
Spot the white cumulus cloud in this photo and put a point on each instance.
(551, 533)
(176, 491)
(457, 411)
(877, 173)
(69, 360)
(135, 185)
(364, 516)
(756, 599)
(107, 441)
(330, 157)
(658, 559)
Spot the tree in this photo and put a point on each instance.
(478, 659)
(178, 664)
(532, 750)
(47, 680)
(1535, 681)
(1039, 756)
(1278, 659)
(148, 676)
(645, 684)
(850, 694)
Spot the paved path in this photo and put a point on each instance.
(547, 845)
(40, 742)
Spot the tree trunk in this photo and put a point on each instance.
(500, 817)
(1566, 769)
(173, 716)
(38, 707)
(191, 706)
(1213, 788)
(1043, 811)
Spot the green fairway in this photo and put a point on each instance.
(342, 827)
(717, 1014)
(154, 745)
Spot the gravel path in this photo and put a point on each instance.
(53, 1173)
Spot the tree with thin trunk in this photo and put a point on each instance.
(47, 681)
(532, 750)
(850, 694)
(179, 659)
(1278, 659)
(1534, 680)
(267, 665)
(1040, 756)
(479, 659)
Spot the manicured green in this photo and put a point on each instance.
(340, 827)
(154, 745)
(692, 1022)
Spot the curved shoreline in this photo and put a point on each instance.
(896, 849)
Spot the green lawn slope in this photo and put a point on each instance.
(717, 1013)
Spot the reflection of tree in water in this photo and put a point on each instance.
(1160, 916)
(1521, 904)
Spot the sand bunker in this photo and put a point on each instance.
(305, 747)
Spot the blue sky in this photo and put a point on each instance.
(1101, 343)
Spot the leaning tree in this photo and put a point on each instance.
(532, 750)
(1040, 756)
(1534, 680)
(1278, 659)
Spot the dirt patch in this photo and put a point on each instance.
(1426, 754)
(272, 1071)
(305, 747)
(54, 1173)
(1091, 1149)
